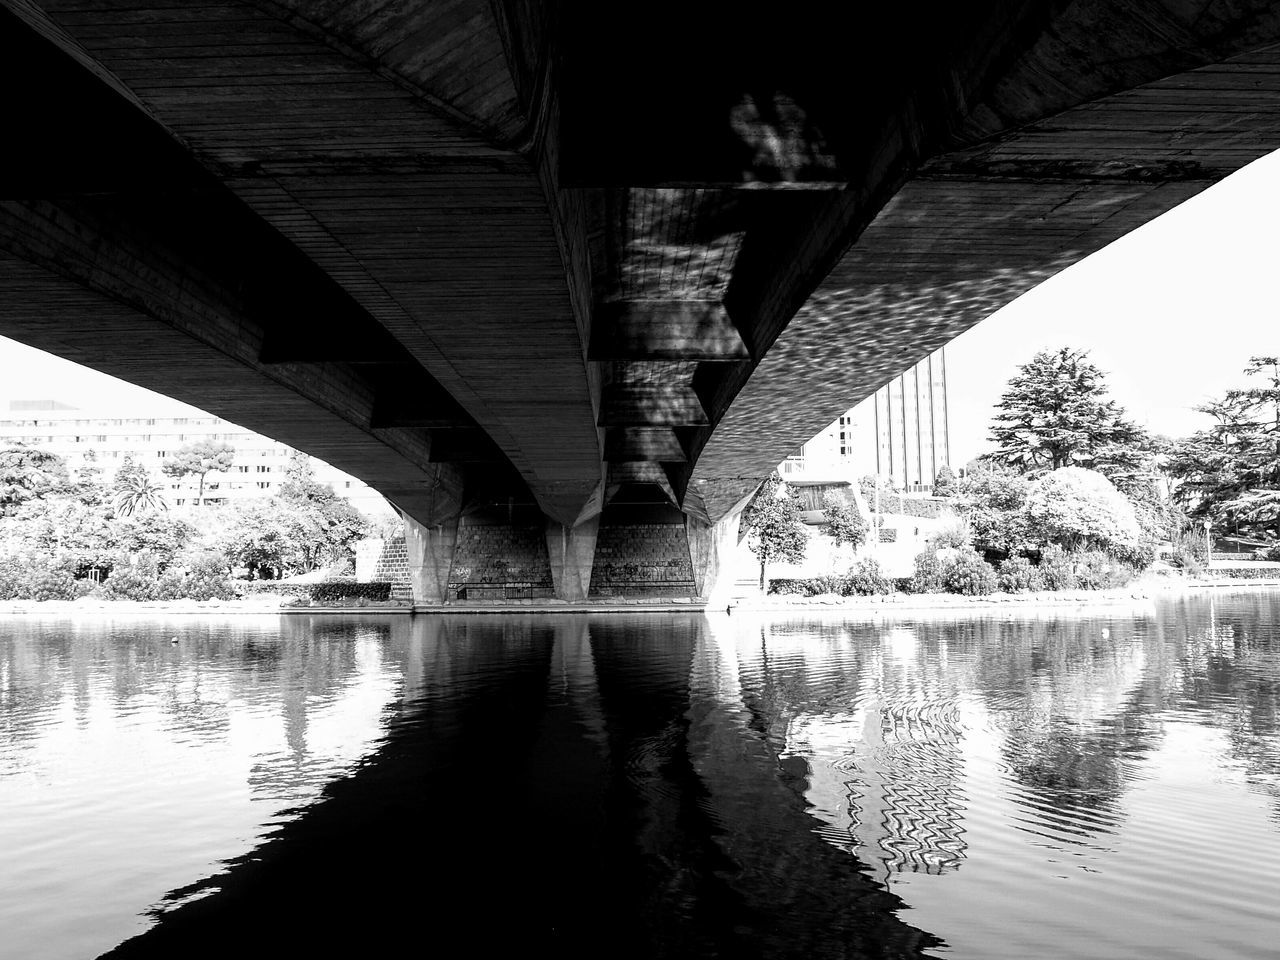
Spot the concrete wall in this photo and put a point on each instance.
(495, 561)
(642, 559)
(500, 562)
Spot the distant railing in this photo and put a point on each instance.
(501, 590)
(643, 579)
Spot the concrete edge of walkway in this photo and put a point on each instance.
(566, 606)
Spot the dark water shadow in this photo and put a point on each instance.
(548, 788)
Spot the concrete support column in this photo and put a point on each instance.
(710, 547)
(430, 558)
(571, 551)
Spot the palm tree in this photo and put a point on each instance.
(138, 493)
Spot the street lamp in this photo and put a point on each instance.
(1208, 545)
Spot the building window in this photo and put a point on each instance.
(243, 469)
(263, 484)
(263, 468)
(162, 453)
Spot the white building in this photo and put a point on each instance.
(900, 433)
(106, 439)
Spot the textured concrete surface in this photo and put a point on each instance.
(532, 254)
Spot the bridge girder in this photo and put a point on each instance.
(474, 250)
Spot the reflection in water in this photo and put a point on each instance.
(651, 787)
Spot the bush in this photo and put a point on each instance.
(787, 587)
(47, 581)
(338, 591)
(1096, 571)
(928, 575)
(817, 586)
(10, 578)
(866, 578)
(1082, 509)
(85, 588)
(954, 532)
(136, 580)
(205, 578)
(968, 574)
(1268, 553)
(1019, 575)
(1056, 569)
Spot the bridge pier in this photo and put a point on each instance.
(430, 552)
(710, 546)
(571, 551)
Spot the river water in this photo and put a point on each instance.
(660, 786)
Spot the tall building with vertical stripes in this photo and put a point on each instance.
(899, 433)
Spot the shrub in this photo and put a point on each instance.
(339, 590)
(816, 586)
(47, 581)
(1096, 571)
(1056, 569)
(1082, 509)
(1019, 575)
(928, 575)
(866, 578)
(85, 588)
(10, 578)
(788, 587)
(1268, 553)
(967, 573)
(954, 532)
(136, 580)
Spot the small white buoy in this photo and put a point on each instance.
(173, 639)
(1106, 634)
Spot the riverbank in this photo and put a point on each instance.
(1142, 592)
(896, 603)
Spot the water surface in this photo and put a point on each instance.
(658, 786)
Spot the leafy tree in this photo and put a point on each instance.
(1055, 414)
(774, 528)
(28, 473)
(844, 523)
(138, 493)
(1230, 473)
(199, 459)
(993, 501)
(304, 526)
(326, 524)
(128, 471)
(944, 484)
(1080, 510)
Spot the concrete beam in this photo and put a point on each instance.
(665, 330)
(464, 445)
(650, 405)
(627, 444)
(571, 551)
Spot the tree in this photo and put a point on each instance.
(993, 501)
(774, 528)
(28, 473)
(138, 493)
(1082, 510)
(199, 459)
(1230, 473)
(944, 484)
(844, 523)
(1055, 414)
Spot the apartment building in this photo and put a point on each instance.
(900, 433)
(106, 438)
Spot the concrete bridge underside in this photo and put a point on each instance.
(523, 255)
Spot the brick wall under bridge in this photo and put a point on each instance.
(634, 557)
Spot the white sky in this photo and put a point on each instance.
(1171, 312)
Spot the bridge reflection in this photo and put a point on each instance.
(571, 786)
